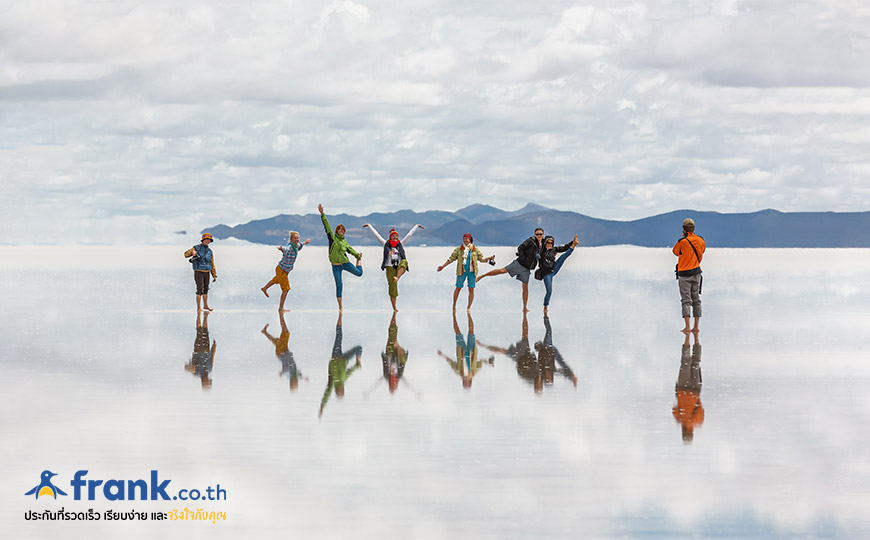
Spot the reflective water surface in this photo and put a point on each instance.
(601, 420)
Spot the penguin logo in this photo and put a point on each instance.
(45, 486)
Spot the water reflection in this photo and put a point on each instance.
(549, 356)
(282, 351)
(338, 371)
(393, 361)
(466, 364)
(688, 411)
(536, 370)
(202, 360)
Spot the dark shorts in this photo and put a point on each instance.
(515, 269)
(201, 279)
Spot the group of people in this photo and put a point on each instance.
(538, 253)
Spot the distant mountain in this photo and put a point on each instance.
(493, 226)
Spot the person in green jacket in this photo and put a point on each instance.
(338, 370)
(338, 250)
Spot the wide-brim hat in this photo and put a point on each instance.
(207, 236)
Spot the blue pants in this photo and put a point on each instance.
(336, 347)
(548, 279)
(336, 274)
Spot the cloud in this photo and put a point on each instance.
(766, 44)
(614, 109)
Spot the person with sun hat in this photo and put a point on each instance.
(201, 257)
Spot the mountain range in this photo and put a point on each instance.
(495, 227)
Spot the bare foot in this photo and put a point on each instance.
(686, 330)
(545, 311)
(208, 308)
(283, 310)
(264, 292)
(575, 242)
(525, 310)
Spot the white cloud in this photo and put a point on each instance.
(613, 109)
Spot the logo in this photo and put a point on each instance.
(142, 489)
(45, 487)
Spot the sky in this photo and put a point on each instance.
(126, 121)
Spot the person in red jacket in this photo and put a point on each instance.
(690, 250)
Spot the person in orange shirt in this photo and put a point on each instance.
(688, 411)
(690, 250)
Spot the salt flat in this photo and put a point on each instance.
(97, 346)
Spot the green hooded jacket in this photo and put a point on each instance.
(338, 246)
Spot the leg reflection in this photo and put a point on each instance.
(467, 363)
(202, 359)
(282, 351)
(688, 411)
(338, 372)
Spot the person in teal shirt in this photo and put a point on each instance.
(338, 250)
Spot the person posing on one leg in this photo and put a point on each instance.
(466, 256)
(282, 351)
(338, 250)
(202, 258)
(690, 250)
(549, 266)
(394, 357)
(521, 268)
(394, 263)
(282, 271)
(549, 356)
(528, 367)
(338, 370)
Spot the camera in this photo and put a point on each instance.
(492, 261)
(194, 259)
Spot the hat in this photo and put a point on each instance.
(688, 222)
(471, 238)
(207, 236)
(392, 232)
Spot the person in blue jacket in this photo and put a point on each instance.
(202, 258)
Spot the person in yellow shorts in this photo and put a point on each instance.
(282, 271)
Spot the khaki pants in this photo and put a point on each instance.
(690, 295)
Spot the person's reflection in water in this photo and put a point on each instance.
(688, 411)
(338, 370)
(549, 356)
(394, 356)
(202, 360)
(466, 364)
(521, 353)
(282, 351)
